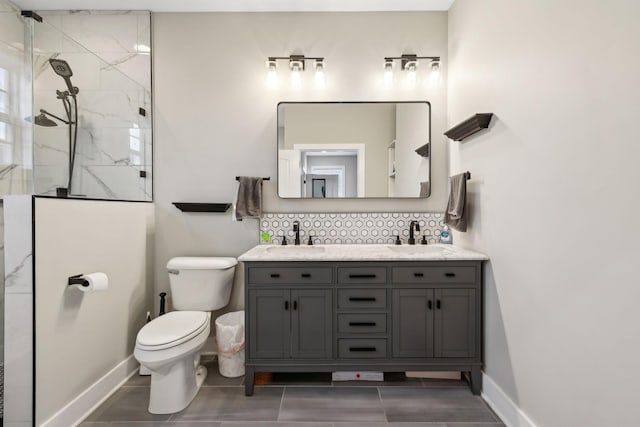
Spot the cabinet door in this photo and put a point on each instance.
(312, 326)
(455, 317)
(269, 323)
(413, 322)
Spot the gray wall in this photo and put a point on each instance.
(74, 349)
(554, 199)
(215, 114)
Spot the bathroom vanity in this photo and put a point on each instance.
(363, 308)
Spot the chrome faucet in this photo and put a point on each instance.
(413, 225)
(296, 229)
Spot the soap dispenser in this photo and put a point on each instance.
(445, 236)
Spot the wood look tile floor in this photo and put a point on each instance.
(304, 400)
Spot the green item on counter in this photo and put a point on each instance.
(266, 237)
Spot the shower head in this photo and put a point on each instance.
(62, 68)
(43, 120)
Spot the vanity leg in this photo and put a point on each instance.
(476, 380)
(249, 380)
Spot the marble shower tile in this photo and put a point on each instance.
(18, 259)
(101, 32)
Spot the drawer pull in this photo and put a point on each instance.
(438, 305)
(295, 305)
(418, 274)
(362, 298)
(362, 349)
(450, 274)
(362, 323)
(362, 276)
(305, 275)
(429, 305)
(286, 305)
(274, 275)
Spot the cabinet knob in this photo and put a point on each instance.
(286, 305)
(438, 305)
(429, 304)
(295, 305)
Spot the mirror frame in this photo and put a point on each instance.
(349, 103)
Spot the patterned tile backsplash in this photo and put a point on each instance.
(346, 228)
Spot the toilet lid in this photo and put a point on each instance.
(172, 329)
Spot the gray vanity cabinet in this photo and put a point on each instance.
(389, 316)
(290, 323)
(434, 322)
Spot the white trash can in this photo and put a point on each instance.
(230, 340)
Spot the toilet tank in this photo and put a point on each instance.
(201, 283)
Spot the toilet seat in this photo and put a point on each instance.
(171, 330)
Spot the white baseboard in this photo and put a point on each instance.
(503, 406)
(87, 401)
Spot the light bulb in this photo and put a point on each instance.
(296, 80)
(388, 72)
(320, 82)
(272, 75)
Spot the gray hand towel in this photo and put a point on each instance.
(456, 216)
(249, 204)
(425, 189)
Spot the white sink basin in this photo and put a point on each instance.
(420, 249)
(295, 250)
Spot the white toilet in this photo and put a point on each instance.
(169, 345)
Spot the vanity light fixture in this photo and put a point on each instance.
(409, 63)
(297, 64)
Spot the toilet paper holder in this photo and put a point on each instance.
(77, 280)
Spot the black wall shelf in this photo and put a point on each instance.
(470, 126)
(423, 150)
(202, 207)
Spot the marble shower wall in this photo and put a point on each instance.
(18, 315)
(109, 54)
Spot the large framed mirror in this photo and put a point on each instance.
(354, 149)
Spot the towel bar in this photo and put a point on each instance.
(268, 178)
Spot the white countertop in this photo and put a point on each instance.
(436, 252)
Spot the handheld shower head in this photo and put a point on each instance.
(62, 68)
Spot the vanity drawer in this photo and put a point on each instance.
(292, 275)
(362, 298)
(362, 323)
(355, 275)
(433, 274)
(362, 348)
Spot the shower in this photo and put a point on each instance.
(62, 68)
